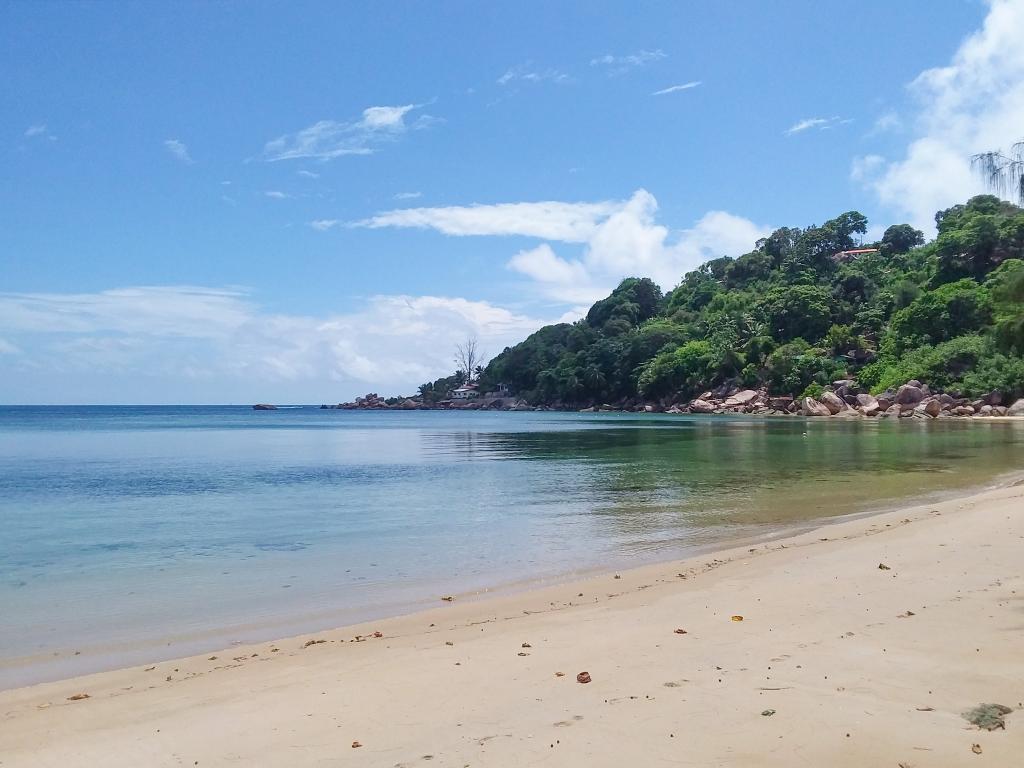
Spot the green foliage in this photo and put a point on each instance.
(684, 370)
(788, 315)
(797, 311)
(793, 367)
(814, 389)
(949, 311)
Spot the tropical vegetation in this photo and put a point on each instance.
(798, 312)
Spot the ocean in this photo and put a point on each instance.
(132, 533)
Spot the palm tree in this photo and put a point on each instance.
(1003, 174)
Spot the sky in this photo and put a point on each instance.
(302, 202)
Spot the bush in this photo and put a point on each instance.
(814, 389)
(950, 310)
(685, 370)
(943, 366)
(793, 367)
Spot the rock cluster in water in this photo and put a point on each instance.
(373, 401)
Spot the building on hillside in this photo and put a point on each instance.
(465, 392)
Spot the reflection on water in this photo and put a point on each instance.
(204, 525)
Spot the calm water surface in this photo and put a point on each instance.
(136, 533)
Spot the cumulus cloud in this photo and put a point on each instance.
(619, 239)
(191, 337)
(329, 139)
(179, 150)
(677, 88)
(974, 104)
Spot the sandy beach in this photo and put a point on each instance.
(861, 643)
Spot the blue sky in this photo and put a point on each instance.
(302, 202)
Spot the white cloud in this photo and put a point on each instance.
(308, 174)
(527, 73)
(889, 121)
(322, 225)
(620, 238)
(329, 139)
(408, 195)
(974, 104)
(568, 222)
(866, 167)
(39, 129)
(819, 123)
(189, 337)
(276, 194)
(677, 88)
(179, 150)
(619, 65)
(6, 348)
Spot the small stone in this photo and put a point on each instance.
(356, 745)
(448, 598)
(680, 631)
(79, 697)
(768, 712)
(583, 677)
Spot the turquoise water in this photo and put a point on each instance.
(136, 533)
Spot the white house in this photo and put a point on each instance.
(465, 392)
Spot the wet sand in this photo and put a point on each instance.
(861, 643)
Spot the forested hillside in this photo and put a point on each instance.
(792, 315)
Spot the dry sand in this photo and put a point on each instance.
(860, 666)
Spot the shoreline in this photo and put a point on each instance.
(112, 657)
(619, 630)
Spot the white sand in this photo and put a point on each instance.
(826, 642)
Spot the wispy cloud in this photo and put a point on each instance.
(568, 222)
(322, 225)
(6, 348)
(39, 130)
(619, 65)
(677, 88)
(408, 195)
(818, 123)
(329, 139)
(308, 174)
(276, 194)
(890, 121)
(179, 150)
(528, 73)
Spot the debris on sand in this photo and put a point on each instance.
(448, 598)
(976, 749)
(312, 642)
(768, 712)
(583, 677)
(356, 745)
(559, 674)
(737, 618)
(527, 645)
(78, 697)
(884, 567)
(680, 631)
(988, 717)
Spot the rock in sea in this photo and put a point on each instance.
(264, 407)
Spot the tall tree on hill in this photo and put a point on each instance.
(1003, 174)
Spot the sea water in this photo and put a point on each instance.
(130, 534)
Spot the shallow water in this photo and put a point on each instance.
(136, 533)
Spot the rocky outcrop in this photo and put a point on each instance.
(702, 406)
(833, 402)
(910, 394)
(264, 407)
(811, 407)
(1017, 409)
